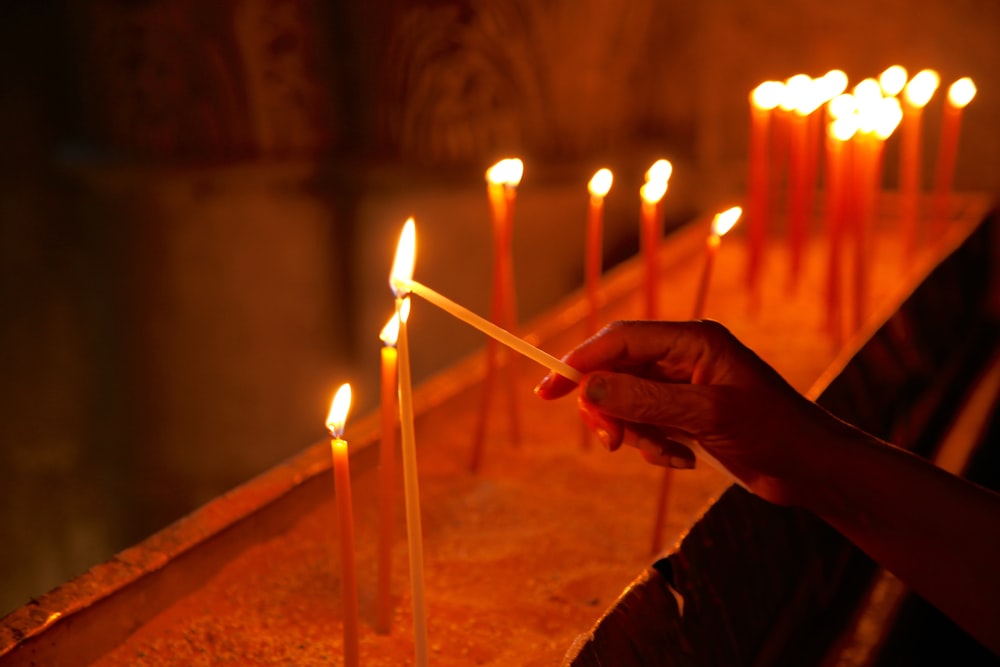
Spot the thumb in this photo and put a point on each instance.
(684, 407)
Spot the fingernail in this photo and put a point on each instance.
(544, 384)
(597, 390)
(604, 436)
(680, 463)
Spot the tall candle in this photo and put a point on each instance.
(402, 268)
(960, 93)
(502, 180)
(649, 240)
(345, 521)
(839, 134)
(763, 100)
(916, 95)
(798, 90)
(721, 224)
(387, 470)
(599, 185)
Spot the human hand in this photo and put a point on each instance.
(658, 384)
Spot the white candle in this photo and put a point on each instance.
(411, 489)
(501, 335)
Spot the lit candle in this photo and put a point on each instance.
(797, 93)
(402, 267)
(960, 94)
(916, 95)
(387, 470)
(721, 224)
(838, 155)
(502, 180)
(599, 185)
(403, 284)
(763, 101)
(892, 80)
(649, 240)
(345, 521)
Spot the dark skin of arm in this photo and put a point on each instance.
(658, 384)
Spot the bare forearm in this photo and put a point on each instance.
(937, 533)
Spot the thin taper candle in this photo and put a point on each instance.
(493, 331)
(345, 522)
(411, 489)
(387, 472)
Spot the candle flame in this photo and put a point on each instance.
(892, 80)
(339, 408)
(842, 105)
(390, 332)
(661, 170)
(724, 221)
(795, 87)
(600, 182)
(868, 96)
(961, 92)
(843, 128)
(834, 83)
(653, 191)
(767, 95)
(890, 114)
(920, 89)
(406, 254)
(506, 172)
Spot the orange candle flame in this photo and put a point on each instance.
(661, 170)
(600, 183)
(961, 92)
(725, 221)
(833, 83)
(406, 256)
(767, 95)
(888, 117)
(390, 332)
(920, 89)
(653, 191)
(506, 172)
(892, 80)
(842, 106)
(843, 128)
(339, 408)
(795, 87)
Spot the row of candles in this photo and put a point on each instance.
(396, 393)
(786, 120)
(857, 126)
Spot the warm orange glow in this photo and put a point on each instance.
(892, 80)
(888, 117)
(843, 128)
(390, 332)
(600, 183)
(661, 170)
(653, 191)
(767, 95)
(724, 221)
(506, 172)
(920, 89)
(834, 83)
(842, 105)
(339, 408)
(961, 92)
(406, 256)
(868, 96)
(795, 88)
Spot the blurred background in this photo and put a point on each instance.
(199, 204)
